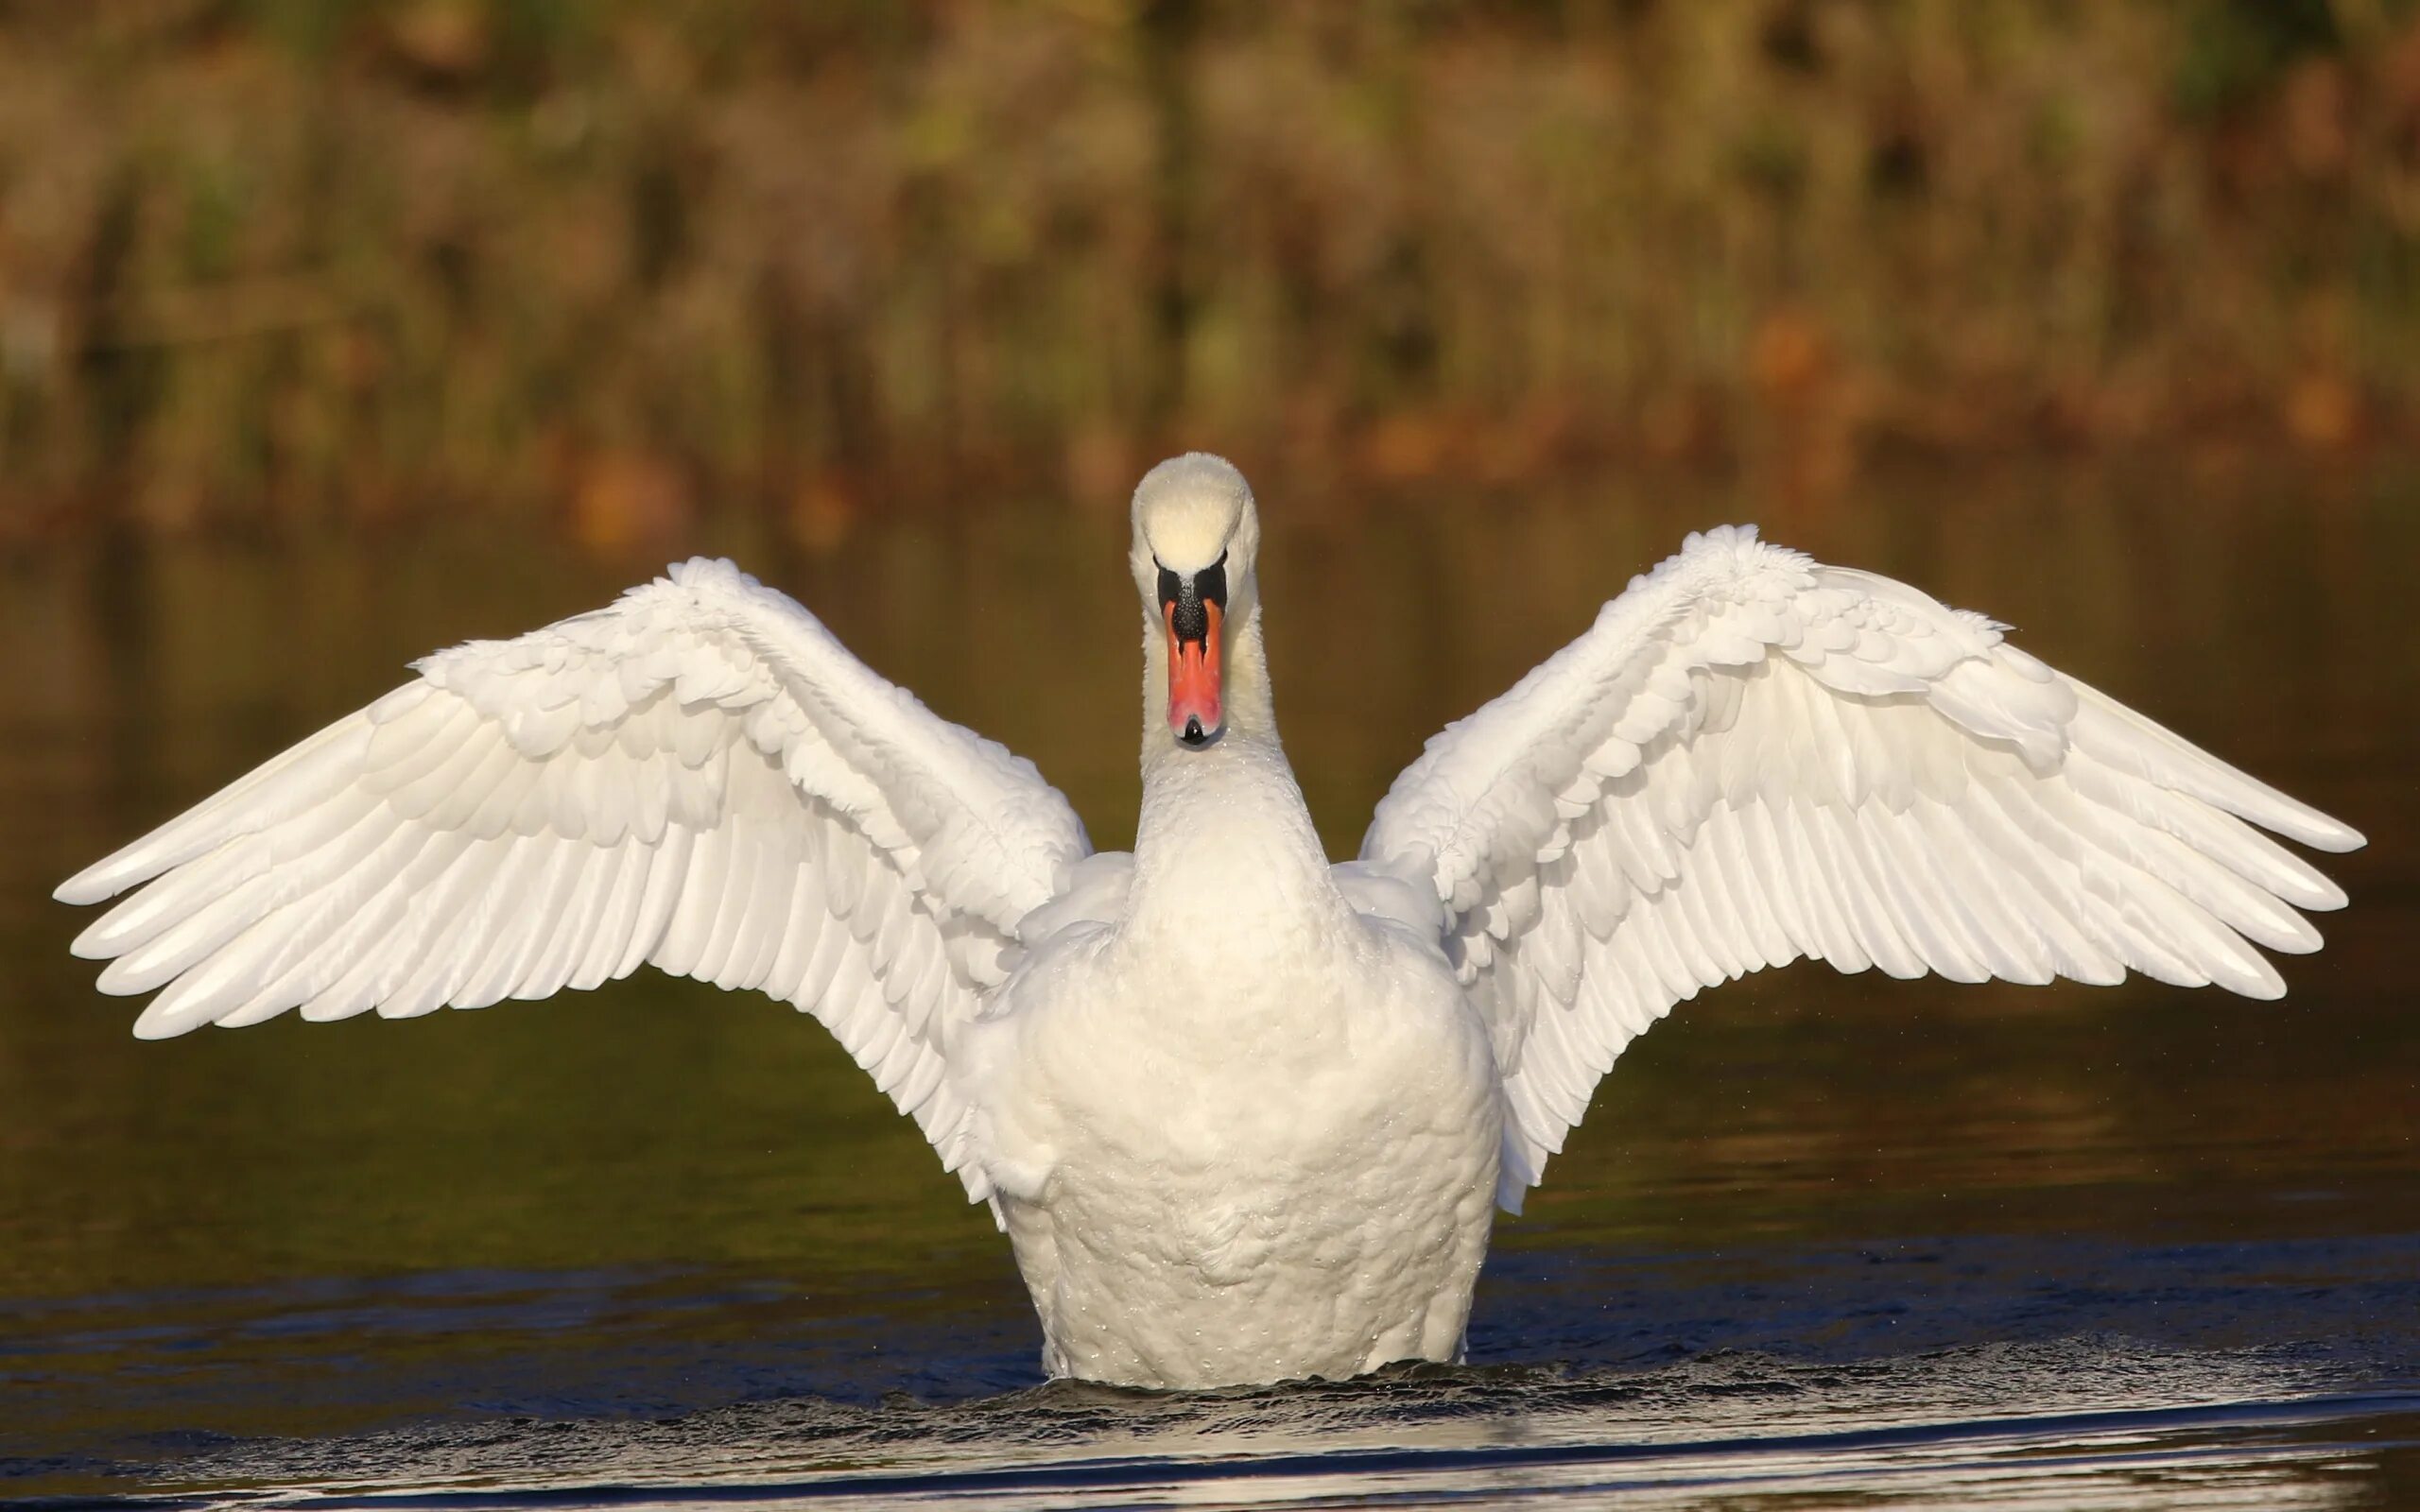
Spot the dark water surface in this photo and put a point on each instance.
(1822, 1241)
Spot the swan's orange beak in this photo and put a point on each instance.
(1193, 675)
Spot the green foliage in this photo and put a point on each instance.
(2233, 51)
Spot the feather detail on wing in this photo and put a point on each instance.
(1752, 758)
(699, 776)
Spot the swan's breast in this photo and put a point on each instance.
(1251, 1173)
(1225, 1071)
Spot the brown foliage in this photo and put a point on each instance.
(289, 260)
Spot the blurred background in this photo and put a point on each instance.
(333, 331)
(274, 264)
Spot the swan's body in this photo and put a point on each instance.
(1244, 1115)
(1213, 1177)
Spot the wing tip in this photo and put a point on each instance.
(2267, 988)
(95, 883)
(153, 1025)
(2281, 813)
(2334, 837)
(98, 941)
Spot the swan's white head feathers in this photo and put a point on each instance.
(1189, 511)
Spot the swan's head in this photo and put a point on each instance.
(1195, 539)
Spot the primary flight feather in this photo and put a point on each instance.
(1244, 1115)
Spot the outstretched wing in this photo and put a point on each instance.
(1751, 757)
(699, 776)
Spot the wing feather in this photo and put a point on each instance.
(698, 775)
(1751, 757)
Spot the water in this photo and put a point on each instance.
(1822, 1241)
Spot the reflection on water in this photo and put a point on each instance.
(1821, 1237)
(2036, 1428)
(2250, 1365)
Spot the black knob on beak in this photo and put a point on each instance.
(1189, 597)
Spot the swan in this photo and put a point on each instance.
(1244, 1115)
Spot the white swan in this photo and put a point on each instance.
(1243, 1114)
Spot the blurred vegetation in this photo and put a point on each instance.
(277, 261)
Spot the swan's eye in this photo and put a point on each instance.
(1211, 582)
(1171, 586)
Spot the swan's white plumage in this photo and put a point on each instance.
(1752, 758)
(699, 776)
(1241, 1113)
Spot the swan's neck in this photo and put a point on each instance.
(1225, 844)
